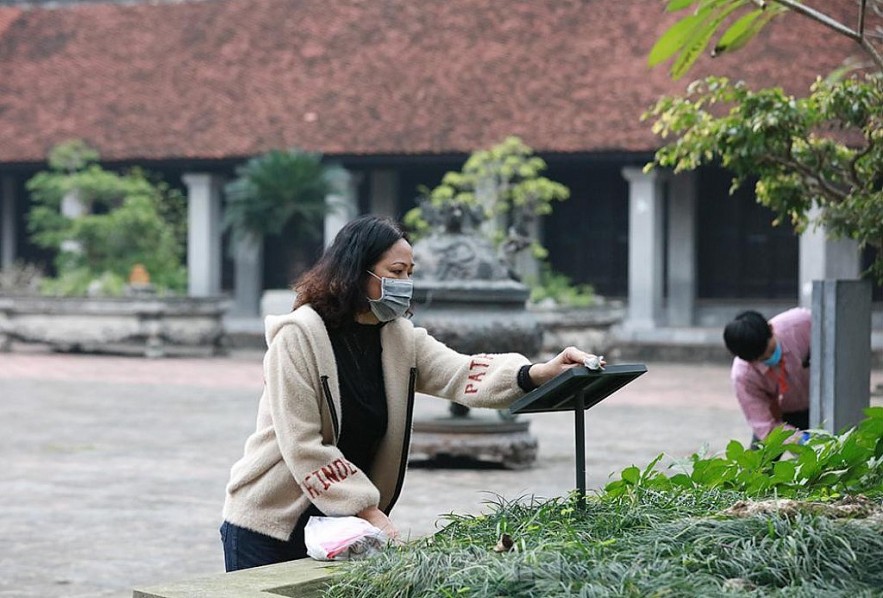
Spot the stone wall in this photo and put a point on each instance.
(152, 327)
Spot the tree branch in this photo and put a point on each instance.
(811, 175)
(858, 156)
(820, 17)
(837, 26)
(861, 18)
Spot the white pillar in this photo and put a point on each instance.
(342, 202)
(681, 249)
(248, 278)
(203, 234)
(8, 221)
(646, 257)
(385, 193)
(822, 258)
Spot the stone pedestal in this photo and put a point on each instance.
(465, 299)
(474, 439)
(478, 316)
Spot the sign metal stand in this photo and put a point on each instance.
(578, 389)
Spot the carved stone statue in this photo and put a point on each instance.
(465, 296)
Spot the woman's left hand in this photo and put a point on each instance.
(570, 357)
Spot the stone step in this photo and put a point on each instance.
(303, 578)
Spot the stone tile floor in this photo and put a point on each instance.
(115, 467)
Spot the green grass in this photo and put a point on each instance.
(806, 521)
(651, 544)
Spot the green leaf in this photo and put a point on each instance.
(734, 450)
(768, 14)
(631, 475)
(739, 33)
(682, 480)
(698, 40)
(650, 469)
(776, 438)
(749, 460)
(852, 452)
(672, 40)
(676, 5)
(615, 489)
(784, 471)
(709, 473)
(874, 412)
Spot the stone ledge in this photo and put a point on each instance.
(151, 326)
(304, 578)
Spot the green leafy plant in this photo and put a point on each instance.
(122, 224)
(826, 466)
(558, 288)
(276, 189)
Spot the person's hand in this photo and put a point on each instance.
(378, 519)
(570, 357)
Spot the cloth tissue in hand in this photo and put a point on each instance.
(342, 538)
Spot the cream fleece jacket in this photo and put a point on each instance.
(291, 459)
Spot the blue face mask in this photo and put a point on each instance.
(774, 359)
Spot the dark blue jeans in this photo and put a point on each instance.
(244, 548)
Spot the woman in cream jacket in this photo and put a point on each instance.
(340, 374)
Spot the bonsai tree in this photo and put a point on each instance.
(502, 186)
(821, 154)
(278, 189)
(101, 224)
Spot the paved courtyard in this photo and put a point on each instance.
(115, 467)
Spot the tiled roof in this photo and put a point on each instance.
(230, 78)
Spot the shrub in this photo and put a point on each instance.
(276, 188)
(559, 289)
(127, 219)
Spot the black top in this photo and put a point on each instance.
(362, 394)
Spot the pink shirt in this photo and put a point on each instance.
(757, 385)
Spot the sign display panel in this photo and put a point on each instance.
(560, 393)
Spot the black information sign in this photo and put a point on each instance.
(578, 389)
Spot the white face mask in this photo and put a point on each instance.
(395, 298)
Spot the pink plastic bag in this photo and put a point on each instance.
(342, 538)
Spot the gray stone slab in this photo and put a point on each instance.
(304, 578)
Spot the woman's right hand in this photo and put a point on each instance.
(378, 519)
(540, 373)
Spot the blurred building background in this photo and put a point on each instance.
(399, 92)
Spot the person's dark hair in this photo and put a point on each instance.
(333, 287)
(748, 335)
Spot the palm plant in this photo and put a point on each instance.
(282, 188)
(274, 189)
